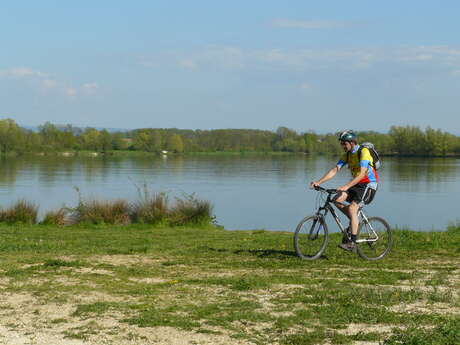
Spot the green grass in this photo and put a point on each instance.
(447, 333)
(245, 284)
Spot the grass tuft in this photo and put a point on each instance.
(102, 212)
(21, 212)
(58, 217)
(151, 209)
(447, 333)
(191, 211)
(454, 227)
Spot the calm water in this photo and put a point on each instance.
(248, 192)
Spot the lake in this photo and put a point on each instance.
(248, 191)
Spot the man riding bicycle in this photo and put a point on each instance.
(361, 188)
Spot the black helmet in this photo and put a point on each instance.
(347, 135)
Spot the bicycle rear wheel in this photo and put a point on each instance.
(310, 238)
(374, 239)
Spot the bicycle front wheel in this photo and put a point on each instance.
(310, 238)
(374, 239)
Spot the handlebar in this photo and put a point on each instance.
(330, 191)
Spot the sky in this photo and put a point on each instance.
(306, 65)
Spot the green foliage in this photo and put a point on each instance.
(175, 143)
(21, 212)
(11, 136)
(400, 141)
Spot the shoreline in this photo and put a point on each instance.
(127, 153)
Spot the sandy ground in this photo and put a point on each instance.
(26, 319)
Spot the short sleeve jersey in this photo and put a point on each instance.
(355, 164)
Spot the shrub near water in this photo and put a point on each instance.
(102, 212)
(21, 212)
(58, 217)
(191, 211)
(151, 210)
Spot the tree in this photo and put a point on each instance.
(175, 144)
(50, 135)
(10, 135)
(91, 139)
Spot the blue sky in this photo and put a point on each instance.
(307, 65)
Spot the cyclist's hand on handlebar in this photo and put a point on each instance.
(342, 189)
(314, 184)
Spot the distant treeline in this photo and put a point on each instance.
(399, 141)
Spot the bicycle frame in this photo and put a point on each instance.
(327, 207)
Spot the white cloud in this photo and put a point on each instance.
(49, 83)
(308, 24)
(90, 88)
(21, 73)
(70, 91)
(308, 59)
(306, 86)
(44, 82)
(187, 63)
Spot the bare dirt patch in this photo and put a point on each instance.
(126, 260)
(426, 308)
(355, 328)
(152, 280)
(25, 320)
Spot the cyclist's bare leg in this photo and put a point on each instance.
(338, 202)
(351, 211)
(353, 215)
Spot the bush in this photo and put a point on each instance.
(101, 212)
(151, 209)
(454, 227)
(58, 217)
(21, 212)
(191, 211)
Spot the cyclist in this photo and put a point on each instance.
(361, 188)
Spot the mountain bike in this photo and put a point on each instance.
(374, 239)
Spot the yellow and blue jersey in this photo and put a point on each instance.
(355, 164)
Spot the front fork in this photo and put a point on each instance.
(315, 227)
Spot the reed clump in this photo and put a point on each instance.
(101, 212)
(59, 217)
(21, 212)
(191, 211)
(151, 209)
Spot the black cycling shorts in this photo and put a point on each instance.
(356, 193)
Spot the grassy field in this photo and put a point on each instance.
(140, 285)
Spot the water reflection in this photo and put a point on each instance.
(421, 175)
(410, 174)
(249, 191)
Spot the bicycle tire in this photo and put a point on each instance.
(370, 247)
(311, 237)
